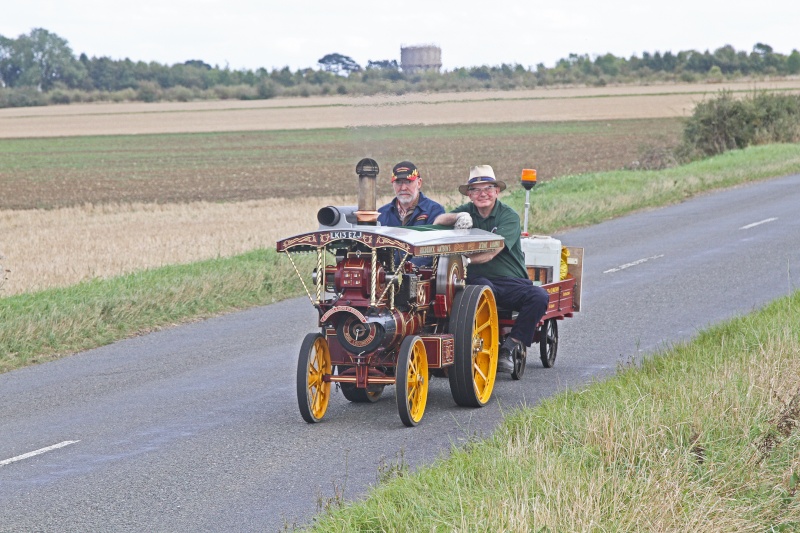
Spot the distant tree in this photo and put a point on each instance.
(383, 64)
(670, 61)
(793, 62)
(11, 62)
(726, 59)
(762, 49)
(608, 64)
(283, 77)
(51, 60)
(338, 63)
(40, 59)
(698, 62)
(197, 63)
(481, 73)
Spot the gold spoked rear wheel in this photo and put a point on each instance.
(476, 332)
(412, 380)
(313, 393)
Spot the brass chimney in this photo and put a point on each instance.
(367, 170)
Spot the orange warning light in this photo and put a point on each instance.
(528, 178)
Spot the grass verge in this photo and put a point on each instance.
(705, 437)
(41, 326)
(586, 199)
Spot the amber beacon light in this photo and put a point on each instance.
(528, 180)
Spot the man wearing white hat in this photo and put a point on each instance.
(502, 269)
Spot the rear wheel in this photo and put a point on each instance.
(474, 325)
(412, 380)
(548, 342)
(313, 393)
(520, 358)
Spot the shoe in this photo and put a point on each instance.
(505, 360)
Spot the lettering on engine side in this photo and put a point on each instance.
(459, 247)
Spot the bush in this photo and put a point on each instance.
(21, 97)
(179, 94)
(59, 97)
(266, 89)
(725, 123)
(777, 118)
(148, 91)
(236, 92)
(125, 95)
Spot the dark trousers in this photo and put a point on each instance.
(520, 295)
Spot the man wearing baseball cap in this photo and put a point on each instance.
(502, 269)
(409, 207)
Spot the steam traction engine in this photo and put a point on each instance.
(385, 320)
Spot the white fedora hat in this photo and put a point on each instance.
(481, 174)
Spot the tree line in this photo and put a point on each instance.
(40, 68)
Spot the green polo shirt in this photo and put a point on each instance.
(504, 221)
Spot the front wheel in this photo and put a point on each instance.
(313, 392)
(412, 380)
(548, 342)
(476, 335)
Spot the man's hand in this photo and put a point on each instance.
(463, 221)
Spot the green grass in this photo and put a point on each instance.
(41, 326)
(582, 200)
(704, 437)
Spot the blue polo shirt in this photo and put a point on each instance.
(424, 213)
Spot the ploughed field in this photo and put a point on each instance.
(97, 190)
(252, 165)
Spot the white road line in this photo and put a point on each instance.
(754, 224)
(37, 452)
(634, 263)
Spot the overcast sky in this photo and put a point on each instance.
(248, 34)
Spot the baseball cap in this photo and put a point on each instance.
(405, 170)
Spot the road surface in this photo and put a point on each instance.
(196, 428)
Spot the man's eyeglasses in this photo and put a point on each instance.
(477, 191)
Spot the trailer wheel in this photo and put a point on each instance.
(313, 394)
(412, 380)
(369, 395)
(520, 358)
(474, 325)
(548, 342)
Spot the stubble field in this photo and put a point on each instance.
(95, 191)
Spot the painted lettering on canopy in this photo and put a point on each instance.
(341, 235)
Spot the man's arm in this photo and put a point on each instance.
(449, 219)
(485, 257)
(446, 219)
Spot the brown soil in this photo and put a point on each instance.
(262, 165)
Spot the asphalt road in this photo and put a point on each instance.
(196, 428)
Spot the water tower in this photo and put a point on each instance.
(420, 58)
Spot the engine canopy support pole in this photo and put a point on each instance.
(527, 208)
